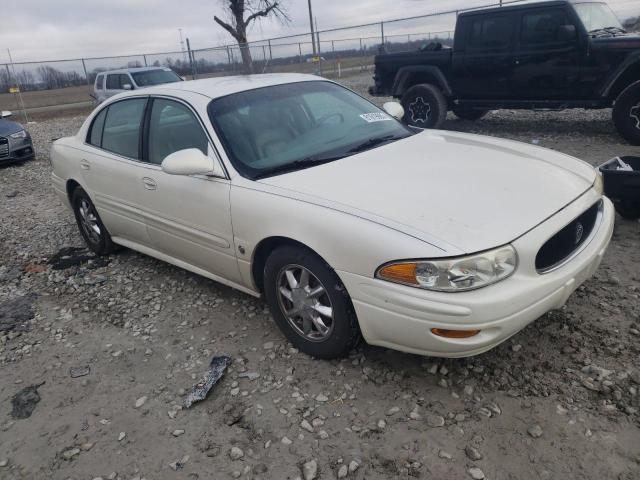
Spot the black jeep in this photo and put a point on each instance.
(547, 55)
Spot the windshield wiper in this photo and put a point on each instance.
(373, 142)
(300, 164)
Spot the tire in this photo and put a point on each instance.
(99, 241)
(469, 113)
(628, 210)
(424, 106)
(341, 332)
(626, 113)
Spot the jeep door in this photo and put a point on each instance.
(485, 68)
(548, 54)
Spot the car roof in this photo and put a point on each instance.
(134, 69)
(520, 6)
(216, 87)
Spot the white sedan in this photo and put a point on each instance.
(349, 223)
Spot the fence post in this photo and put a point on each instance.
(319, 52)
(362, 56)
(382, 49)
(333, 54)
(144, 57)
(270, 52)
(86, 76)
(194, 73)
(300, 52)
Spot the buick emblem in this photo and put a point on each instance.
(579, 232)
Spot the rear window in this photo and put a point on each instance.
(490, 32)
(121, 133)
(95, 133)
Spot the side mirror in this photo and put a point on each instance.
(566, 33)
(127, 86)
(5, 113)
(394, 109)
(190, 161)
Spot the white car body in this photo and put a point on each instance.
(435, 194)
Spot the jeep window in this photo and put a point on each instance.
(542, 26)
(154, 77)
(488, 33)
(598, 17)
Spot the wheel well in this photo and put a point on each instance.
(629, 76)
(262, 252)
(416, 78)
(71, 186)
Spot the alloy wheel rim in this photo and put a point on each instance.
(89, 221)
(419, 110)
(304, 302)
(634, 113)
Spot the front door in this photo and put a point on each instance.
(546, 64)
(188, 217)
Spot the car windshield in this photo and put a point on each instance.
(597, 16)
(289, 127)
(155, 77)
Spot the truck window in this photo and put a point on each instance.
(542, 26)
(490, 33)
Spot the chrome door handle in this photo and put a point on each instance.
(149, 183)
(85, 165)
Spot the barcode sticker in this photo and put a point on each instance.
(375, 117)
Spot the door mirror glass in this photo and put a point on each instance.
(127, 86)
(566, 33)
(394, 109)
(190, 161)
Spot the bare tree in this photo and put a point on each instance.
(238, 24)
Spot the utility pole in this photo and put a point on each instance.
(184, 56)
(313, 37)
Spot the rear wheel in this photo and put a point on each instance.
(626, 113)
(309, 303)
(91, 227)
(469, 113)
(424, 106)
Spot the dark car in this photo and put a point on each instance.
(15, 141)
(546, 55)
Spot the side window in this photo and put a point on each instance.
(124, 79)
(100, 82)
(490, 33)
(173, 127)
(542, 26)
(113, 82)
(95, 132)
(122, 127)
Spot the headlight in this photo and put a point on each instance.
(598, 184)
(453, 274)
(20, 134)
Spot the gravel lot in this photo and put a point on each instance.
(558, 400)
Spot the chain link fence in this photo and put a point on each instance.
(340, 51)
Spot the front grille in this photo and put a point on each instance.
(4, 147)
(568, 240)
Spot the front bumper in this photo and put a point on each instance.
(16, 150)
(401, 317)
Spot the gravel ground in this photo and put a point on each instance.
(558, 400)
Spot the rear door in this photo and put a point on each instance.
(111, 168)
(487, 62)
(546, 65)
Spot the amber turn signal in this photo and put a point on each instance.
(442, 332)
(399, 272)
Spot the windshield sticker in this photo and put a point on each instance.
(375, 117)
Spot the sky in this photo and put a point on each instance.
(37, 30)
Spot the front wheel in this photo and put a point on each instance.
(626, 113)
(309, 303)
(424, 106)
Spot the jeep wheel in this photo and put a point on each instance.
(424, 106)
(469, 113)
(626, 113)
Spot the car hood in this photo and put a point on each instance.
(463, 193)
(8, 127)
(630, 41)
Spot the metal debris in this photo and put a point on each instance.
(75, 372)
(24, 402)
(201, 389)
